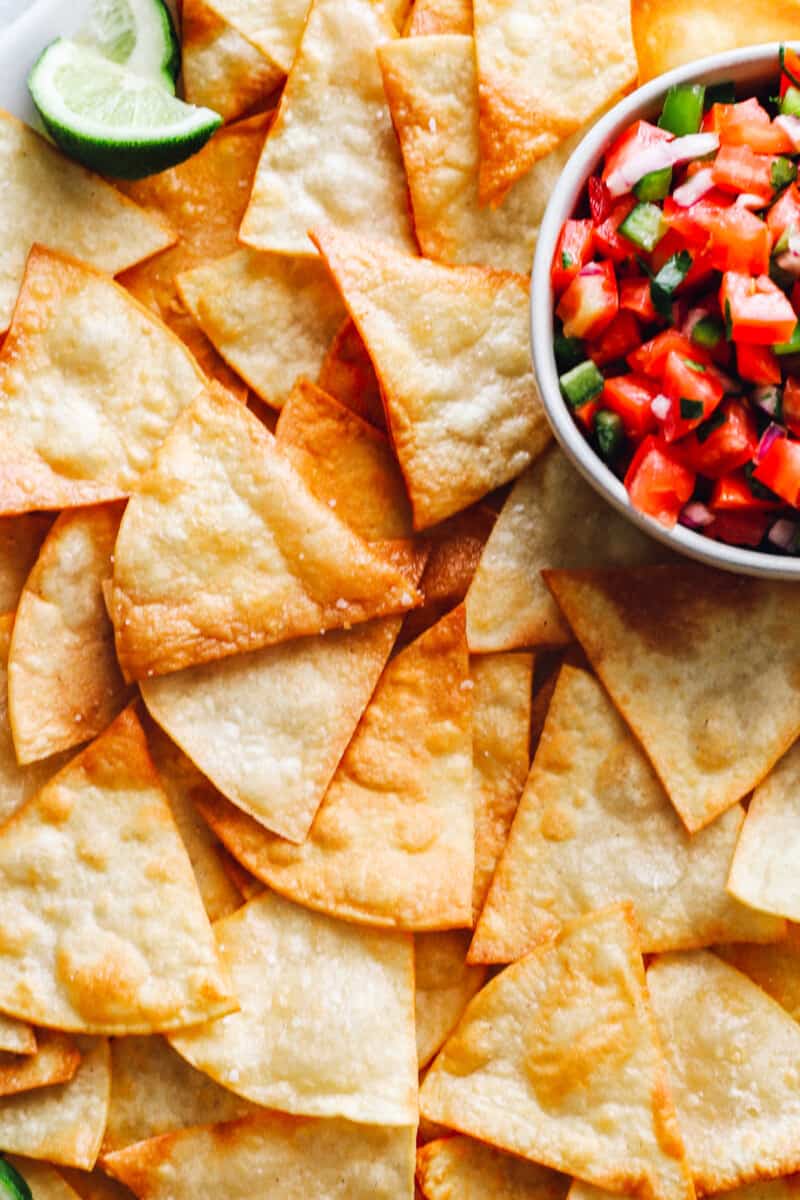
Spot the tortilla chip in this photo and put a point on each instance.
(326, 1027)
(48, 198)
(393, 843)
(16, 1037)
(774, 968)
(43, 1180)
(63, 1123)
(20, 540)
(78, 426)
(331, 154)
(274, 26)
(734, 1062)
(714, 651)
(543, 72)
(293, 1158)
(552, 518)
(444, 987)
(265, 561)
(55, 1061)
(154, 1091)
(456, 546)
(766, 1189)
(430, 17)
(348, 375)
(221, 69)
(461, 1167)
(182, 782)
(235, 299)
(102, 928)
(460, 396)
(594, 827)
(64, 684)
(558, 1060)
(95, 1185)
(247, 885)
(668, 33)
(761, 872)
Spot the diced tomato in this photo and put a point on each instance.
(739, 529)
(791, 404)
(694, 393)
(591, 302)
(734, 238)
(574, 249)
(617, 340)
(757, 363)
(658, 483)
(692, 223)
(757, 309)
(785, 212)
(609, 243)
(651, 357)
(634, 296)
(738, 169)
(748, 124)
(795, 297)
(587, 413)
(631, 143)
(779, 470)
(790, 75)
(599, 199)
(730, 445)
(671, 243)
(630, 396)
(732, 493)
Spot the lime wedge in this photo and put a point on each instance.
(111, 119)
(137, 34)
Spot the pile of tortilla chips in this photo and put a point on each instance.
(381, 815)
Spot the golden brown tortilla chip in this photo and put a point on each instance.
(44, 1181)
(221, 69)
(766, 1189)
(101, 924)
(762, 873)
(236, 298)
(16, 1037)
(713, 651)
(430, 17)
(348, 375)
(246, 884)
(293, 1158)
(558, 1060)
(775, 968)
(64, 684)
(275, 26)
(47, 198)
(55, 1061)
(734, 1061)
(444, 986)
(460, 396)
(331, 155)
(456, 546)
(95, 1185)
(543, 72)
(265, 561)
(461, 1167)
(594, 827)
(20, 541)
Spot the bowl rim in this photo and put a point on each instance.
(745, 65)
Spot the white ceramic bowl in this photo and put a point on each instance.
(752, 67)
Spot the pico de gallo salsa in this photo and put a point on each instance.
(677, 294)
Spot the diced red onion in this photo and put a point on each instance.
(789, 259)
(750, 200)
(660, 406)
(695, 515)
(790, 125)
(695, 187)
(693, 317)
(770, 435)
(591, 268)
(783, 534)
(767, 398)
(659, 156)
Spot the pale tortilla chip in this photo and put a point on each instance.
(95, 1185)
(265, 561)
(348, 375)
(393, 842)
(774, 968)
(444, 986)
(64, 684)
(430, 17)
(668, 33)
(275, 26)
(501, 720)
(221, 69)
(293, 1158)
(63, 1123)
(47, 198)
(713, 651)
(331, 154)
(16, 1037)
(20, 540)
(766, 1189)
(43, 1180)
(271, 317)
(55, 1061)
(762, 872)
(552, 518)
(155, 1091)
(326, 1027)
(102, 928)
(90, 382)
(558, 1060)
(460, 396)
(734, 1063)
(461, 1167)
(594, 827)
(543, 72)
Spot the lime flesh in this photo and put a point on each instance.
(137, 34)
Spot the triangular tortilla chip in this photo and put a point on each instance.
(766, 1189)
(552, 518)
(221, 69)
(501, 721)
(47, 198)
(331, 154)
(55, 1061)
(44, 1181)
(456, 546)
(16, 1037)
(762, 872)
(543, 71)
(64, 684)
(326, 1027)
(101, 924)
(393, 843)
(703, 665)
(293, 1158)
(348, 375)
(265, 562)
(275, 26)
(775, 968)
(461, 1167)
(96, 1185)
(155, 1091)
(247, 885)
(734, 1062)
(430, 17)
(460, 396)
(63, 1123)
(90, 382)
(239, 299)
(594, 827)
(20, 540)
(444, 986)
(558, 1060)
